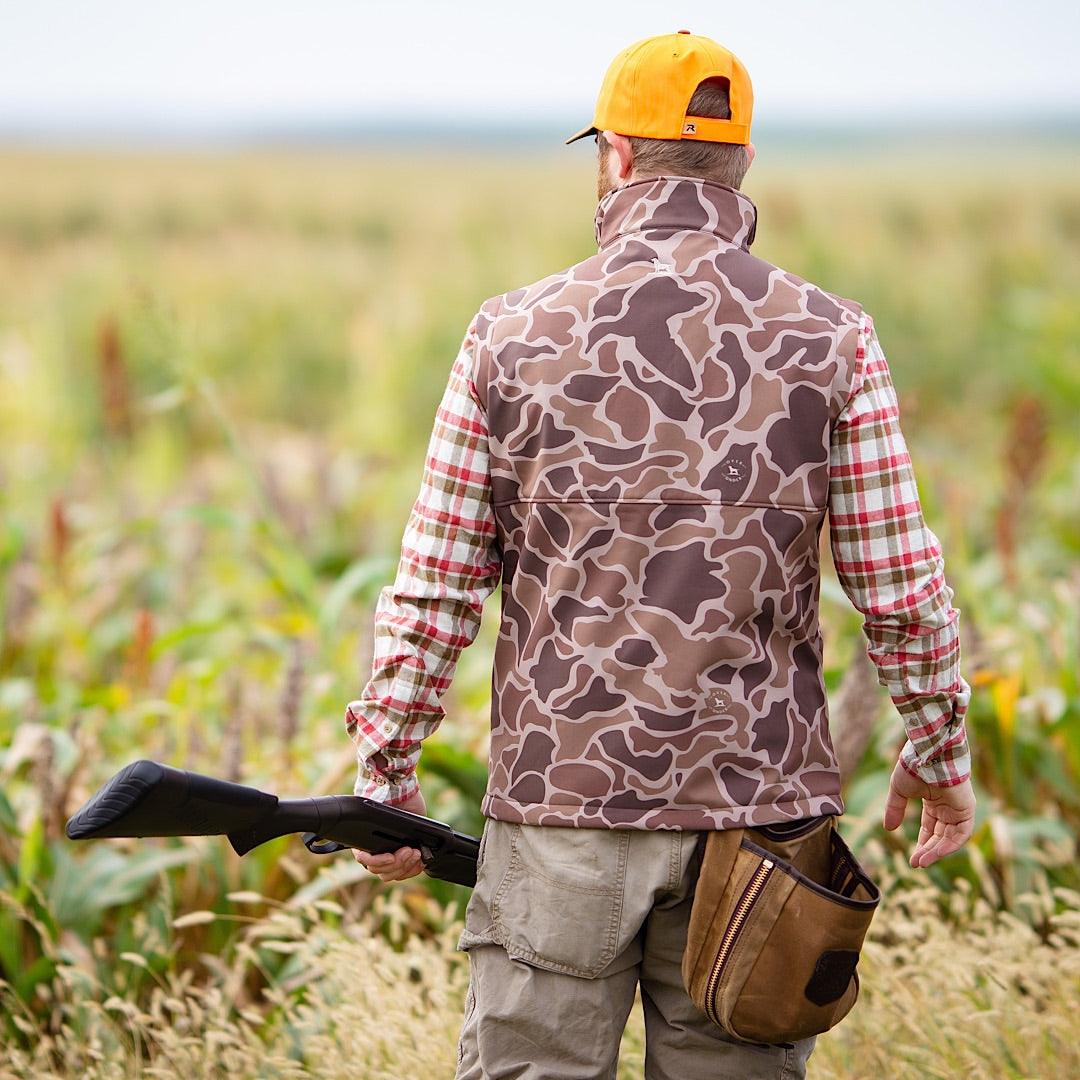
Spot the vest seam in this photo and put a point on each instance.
(857, 368)
(482, 365)
(472, 387)
(673, 502)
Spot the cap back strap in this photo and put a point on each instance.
(711, 129)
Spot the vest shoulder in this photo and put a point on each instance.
(847, 317)
(526, 296)
(842, 311)
(850, 312)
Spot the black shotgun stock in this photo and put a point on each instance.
(147, 798)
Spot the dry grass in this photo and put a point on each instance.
(969, 993)
(217, 376)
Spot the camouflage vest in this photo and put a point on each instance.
(659, 419)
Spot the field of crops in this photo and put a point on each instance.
(218, 374)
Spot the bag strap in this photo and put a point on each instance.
(715, 853)
(720, 849)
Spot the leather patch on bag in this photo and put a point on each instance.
(832, 974)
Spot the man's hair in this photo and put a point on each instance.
(726, 163)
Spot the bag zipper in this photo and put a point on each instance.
(742, 911)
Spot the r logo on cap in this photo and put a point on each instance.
(689, 128)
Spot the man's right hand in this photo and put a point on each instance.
(948, 814)
(401, 864)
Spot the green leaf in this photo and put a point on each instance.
(866, 794)
(8, 822)
(40, 970)
(11, 935)
(31, 854)
(343, 872)
(185, 633)
(215, 516)
(361, 576)
(457, 767)
(84, 889)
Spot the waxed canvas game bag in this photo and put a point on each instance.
(776, 929)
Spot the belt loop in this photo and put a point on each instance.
(675, 849)
(700, 841)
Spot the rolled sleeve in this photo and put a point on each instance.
(891, 567)
(449, 565)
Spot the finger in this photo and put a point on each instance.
(410, 867)
(950, 840)
(380, 866)
(400, 858)
(927, 824)
(374, 863)
(928, 856)
(927, 827)
(950, 843)
(397, 865)
(413, 864)
(409, 863)
(895, 808)
(926, 831)
(927, 851)
(923, 856)
(403, 875)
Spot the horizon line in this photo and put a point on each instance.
(344, 131)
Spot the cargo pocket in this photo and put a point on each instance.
(470, 1008)
(478, 928)
(559, 905)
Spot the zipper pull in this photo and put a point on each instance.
(767, 862)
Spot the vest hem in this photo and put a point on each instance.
(578, 815)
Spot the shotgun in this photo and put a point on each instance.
(147, 798)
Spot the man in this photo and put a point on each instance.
(642, 449)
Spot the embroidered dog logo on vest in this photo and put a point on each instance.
(733, 470)
(717, 701)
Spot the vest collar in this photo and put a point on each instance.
(676, 202)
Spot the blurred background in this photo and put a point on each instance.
(239, 245)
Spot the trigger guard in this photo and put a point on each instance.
(317, 846)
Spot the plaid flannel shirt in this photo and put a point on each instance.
(887, 559)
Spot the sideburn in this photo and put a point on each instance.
(603, 183)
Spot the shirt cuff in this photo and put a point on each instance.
(390, 791)
(950, 766)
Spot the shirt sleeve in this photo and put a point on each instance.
(448, 567)
(890, 564)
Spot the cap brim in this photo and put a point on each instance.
(590, 130)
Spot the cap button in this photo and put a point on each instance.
(684, 31)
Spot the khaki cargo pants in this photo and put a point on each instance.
(562, 926)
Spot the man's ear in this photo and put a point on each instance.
(622, 158)
(750, 152)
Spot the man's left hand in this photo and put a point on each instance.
(948, 814)
(403, 863)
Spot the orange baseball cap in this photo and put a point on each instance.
(648, 87)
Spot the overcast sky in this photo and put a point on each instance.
(65, 64)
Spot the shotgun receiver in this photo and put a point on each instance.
(147, 798)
